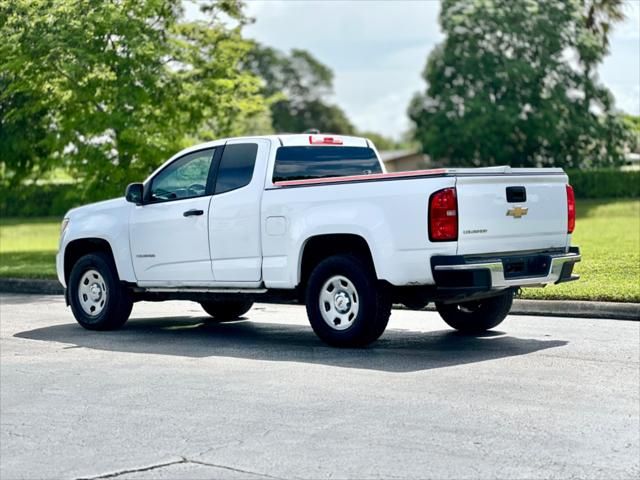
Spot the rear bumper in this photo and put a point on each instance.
(459, 273)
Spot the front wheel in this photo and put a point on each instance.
(478, 315)
(98, 300)
(346, 305)
(226, 311)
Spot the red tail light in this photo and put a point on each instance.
(571, 209)
(321, 140)
(443, 216)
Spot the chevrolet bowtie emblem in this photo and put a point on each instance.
(517, 212)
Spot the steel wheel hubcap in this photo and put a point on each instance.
(92, 293)
(339, 302)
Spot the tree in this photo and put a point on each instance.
(117, 87)
(380, 141)
(23, 135)
(501, 89)
(297, 85)
(633, 124)
(595, 23)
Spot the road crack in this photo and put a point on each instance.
(135, 470)
(182, 461)
(233, 469)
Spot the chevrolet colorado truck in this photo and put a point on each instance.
(315, 218)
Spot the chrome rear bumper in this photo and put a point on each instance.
(559, 269)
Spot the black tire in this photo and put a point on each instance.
(114, 302)
(228, 310)
(362, 325)
(479, 315)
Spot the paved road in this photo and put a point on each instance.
(170, 396)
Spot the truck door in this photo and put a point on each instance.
(234, 216)
(168, 235)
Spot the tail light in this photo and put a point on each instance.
(321, 140)
(571, 209)
(443, 216)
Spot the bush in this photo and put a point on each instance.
(49, 200)
(605, 183)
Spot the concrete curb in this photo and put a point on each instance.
(570, 308)
(577, 308)
(28, 285)
(548, 308)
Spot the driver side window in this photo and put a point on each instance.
(186, 177)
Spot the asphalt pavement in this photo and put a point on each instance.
(172, 396)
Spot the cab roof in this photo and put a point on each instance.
(295, 140)
(283, 139)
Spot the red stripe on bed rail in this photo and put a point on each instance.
(351, 178)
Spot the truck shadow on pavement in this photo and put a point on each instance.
(395, 351)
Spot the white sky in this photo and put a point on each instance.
(377, 50)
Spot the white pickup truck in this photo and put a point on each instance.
(316, 218)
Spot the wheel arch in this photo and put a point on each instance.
(318, 247)
(77, 248)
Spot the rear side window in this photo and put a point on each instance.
(301, 163)
(236, 166)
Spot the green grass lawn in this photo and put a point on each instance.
(608, 233)
(28, 247)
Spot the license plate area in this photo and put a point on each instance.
(528, 266)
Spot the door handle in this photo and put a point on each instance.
(193, 213)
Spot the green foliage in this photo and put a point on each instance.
(380, 141)
(502, 89)
(315, 114)
(632, 123)
(44, 200)
(114, 88)
(297, 85)
(605, 183)
(595, 21)
(298, 76)
(24, 142)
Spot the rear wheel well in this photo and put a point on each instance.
(320, 247)
(78, 248)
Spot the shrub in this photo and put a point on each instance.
(605, 183)
(40, 200)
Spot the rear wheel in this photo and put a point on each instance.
(478, 315)
(227, 310)
(346, 305)
(98, 300)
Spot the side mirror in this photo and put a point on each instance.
(133, 193)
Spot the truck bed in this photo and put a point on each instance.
(390, 212)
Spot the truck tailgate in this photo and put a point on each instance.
(511, 212)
